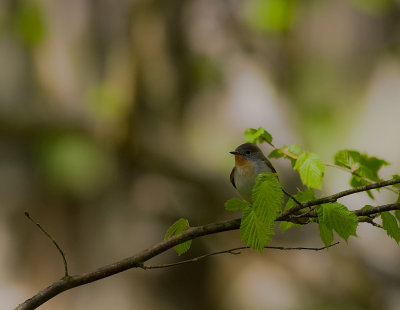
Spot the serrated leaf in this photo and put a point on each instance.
(370, 166)
(235, 204)
(267, 193)
(259, 135)
(311, 169)
(337, 217)
(361, 165)
(325, 233)
(253, 231)
(347, 158)
(257, 226)
(391, 226)
(367, 173)
(176, 228)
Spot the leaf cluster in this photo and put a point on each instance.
(259, 216)
(363, 167)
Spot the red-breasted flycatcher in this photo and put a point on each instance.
(249, 163)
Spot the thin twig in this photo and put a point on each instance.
(52, 240)
(288, 154)
(291, 196)
(233, 251)
(366, 219)
(283, 190)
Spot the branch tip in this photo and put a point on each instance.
(66, 274)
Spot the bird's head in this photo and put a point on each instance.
(247, 152)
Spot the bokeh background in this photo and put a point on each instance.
(116, 118)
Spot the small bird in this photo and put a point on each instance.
(249, 163)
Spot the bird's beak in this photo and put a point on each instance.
(235, 153)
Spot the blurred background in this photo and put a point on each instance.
(116, 119)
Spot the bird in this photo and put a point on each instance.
(249, 163)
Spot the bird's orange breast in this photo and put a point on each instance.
(242, 162)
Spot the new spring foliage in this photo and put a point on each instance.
(258, 217)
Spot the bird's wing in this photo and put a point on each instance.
(232, 177)
(268, 163)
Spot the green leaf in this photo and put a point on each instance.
(325, 233)
(396, 176)
(361, 165)
(367, 207)
(389, 224)
(295, 149)
(347, 159)
(277, 153)
(337, 217)
(283, 225)
(253, 231)
(235, 204)
(311, 169)
(397, 214)
(292, 161)
(257, 226)
(370, 166)
(257, 135)
(176, 228)
(267, 194)
(356, 181)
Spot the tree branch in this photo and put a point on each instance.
(134, 261)
(378, 209)
(335, 197)
(364, 212)
(137, 260)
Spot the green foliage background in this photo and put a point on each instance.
(116, 119)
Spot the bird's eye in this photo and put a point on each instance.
(248, 152)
